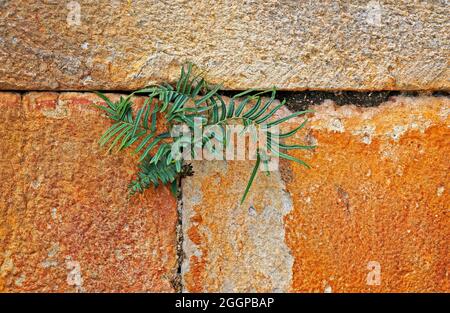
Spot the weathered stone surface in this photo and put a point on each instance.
(374, 205)
(229, 247)
(65, 221)
(377, 195)
(120, 44)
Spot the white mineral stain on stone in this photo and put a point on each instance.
(374, 13)
(115, 3)
(19, 281)
(331, 117)
(74, 277)
(198, 253)
(397, 132)
(53, 250)
(59, 112)
(444, 112)
(55, 215)
(419, 123)
(74, 14)
(366, 139)
(336, 125)
(8, 264)
(50, 261)
(119, 255)
(87, 80)
(440, 191)
(311, 140)
(252, 211)
(366, 132)
(389, 151)
(35, 184)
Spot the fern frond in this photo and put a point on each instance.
(252, 177)
(191, 98)
(153, 174)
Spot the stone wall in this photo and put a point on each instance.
(66, 223)
(371, 214)
(127, 44)
(373, 206)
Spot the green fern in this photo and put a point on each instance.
(191, 98)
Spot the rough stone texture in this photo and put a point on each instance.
(377, 195)
(65, 221)
(120, 44)
(229, 247)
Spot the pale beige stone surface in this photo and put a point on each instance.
(121, 44)
(231, 247)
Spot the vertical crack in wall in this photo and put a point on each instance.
(178, 279)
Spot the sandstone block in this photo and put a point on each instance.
(369, 216)
(295, 45)
(66, 223)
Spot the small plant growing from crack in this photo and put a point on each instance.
(190, 102)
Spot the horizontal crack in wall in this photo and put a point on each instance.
(298, 100)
